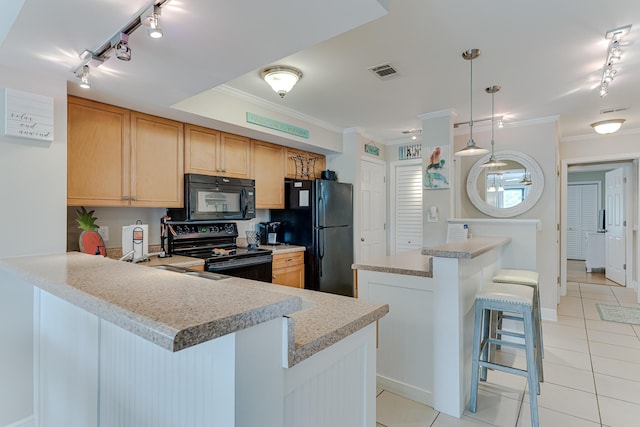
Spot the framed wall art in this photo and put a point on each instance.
(436, 167)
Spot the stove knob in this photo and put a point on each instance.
(228, 228)
(215, 229)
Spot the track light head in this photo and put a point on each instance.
(154, 30)
(121, 46)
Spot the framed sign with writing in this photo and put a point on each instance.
(27, 115)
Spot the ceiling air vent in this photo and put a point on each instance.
(613, 110)
(384, 71)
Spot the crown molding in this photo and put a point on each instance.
(450, 112)
(228, 90)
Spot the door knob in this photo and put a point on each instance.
(362, 239)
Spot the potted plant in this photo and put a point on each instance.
(90, 240)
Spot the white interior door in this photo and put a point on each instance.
(616, 223)
(407, 207)
(373, 237)
(582, 217)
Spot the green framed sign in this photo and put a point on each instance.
(277, 125)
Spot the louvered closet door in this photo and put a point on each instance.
(582, 218)
(408, 205)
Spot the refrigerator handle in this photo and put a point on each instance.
(321, 212)
(321, 246)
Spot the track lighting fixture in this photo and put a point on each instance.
(121, 46)
(471, 149)
(119, 42)
(154, 31)
(614, 54)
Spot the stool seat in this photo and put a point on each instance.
(507, 293)
(520, 277)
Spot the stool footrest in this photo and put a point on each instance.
(510, 333)
(500, 342)
(499, 367)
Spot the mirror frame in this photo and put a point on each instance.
(537, 177)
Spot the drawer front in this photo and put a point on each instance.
(288, 260)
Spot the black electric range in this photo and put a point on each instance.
(215, 242)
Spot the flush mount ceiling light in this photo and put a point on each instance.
(492, 162)
(607, 126)
(614, 54)
(281, 78)
(154, 31)
(471, 149)
(120, 44)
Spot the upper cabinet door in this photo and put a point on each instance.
(235, 155)
(200, 150)
(157, 168)
(268, 171)
(98, 153)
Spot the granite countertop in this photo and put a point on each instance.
(176, 260)
(411, 263)
(324, 319)
(176, 311)
(466, 249)
(283, 249)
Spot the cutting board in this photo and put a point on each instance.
(89, 241)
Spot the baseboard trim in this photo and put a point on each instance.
(549, 314)
(27, 422)
(405, 390)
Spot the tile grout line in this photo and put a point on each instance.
(593, 374)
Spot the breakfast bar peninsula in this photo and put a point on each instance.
(424, 344)
(121, 344)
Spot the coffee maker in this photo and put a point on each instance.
(271, 233)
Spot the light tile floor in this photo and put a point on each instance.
(591, 368)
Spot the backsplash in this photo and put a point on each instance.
(115, 218)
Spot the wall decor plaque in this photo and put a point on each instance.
(27, 115)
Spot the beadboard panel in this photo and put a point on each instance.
(335, 387)
(66, 364)
(143, 385)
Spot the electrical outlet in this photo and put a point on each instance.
(104, 232)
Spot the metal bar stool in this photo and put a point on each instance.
(507, 298)
(525, 278)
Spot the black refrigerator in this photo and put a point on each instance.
(319, 215)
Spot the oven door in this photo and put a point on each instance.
(254, 268)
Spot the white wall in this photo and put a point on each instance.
(538, 139)
(33, 193)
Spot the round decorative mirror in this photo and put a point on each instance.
(508, 190)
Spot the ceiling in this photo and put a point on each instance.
(547, 56)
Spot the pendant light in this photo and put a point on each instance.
(471, 149)
(526, 179)
(492, 162)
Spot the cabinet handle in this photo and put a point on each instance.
(289, 259)
(217, 169)
(134, 198)
(273, 277)
(224, 170)
(126, 197)
(362, 239)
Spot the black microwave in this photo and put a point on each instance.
(208, 198)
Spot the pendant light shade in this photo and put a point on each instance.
(471, 149)
(492, 162)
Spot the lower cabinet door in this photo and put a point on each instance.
(289, 276)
